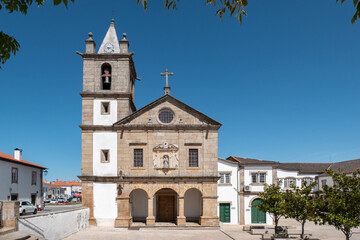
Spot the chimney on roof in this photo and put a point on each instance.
(17, 153)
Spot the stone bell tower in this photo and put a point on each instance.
(108, 80)
(108, 95)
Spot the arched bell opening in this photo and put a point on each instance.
(106, 76)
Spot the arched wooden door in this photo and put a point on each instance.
(257, 216)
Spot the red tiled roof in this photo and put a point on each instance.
(9, 158)
(70, 183)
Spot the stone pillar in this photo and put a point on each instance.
(209, 217)
(241, 196)
(88, 200)
(150, 220)
(123, 219)
(10, 212)
(181, 219)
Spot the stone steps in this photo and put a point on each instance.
(6, 230)
(178, 228)
(20, 236)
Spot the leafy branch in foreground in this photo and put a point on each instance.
(237, 7)
(8, 44)
(357, 11)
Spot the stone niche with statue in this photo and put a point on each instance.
(166, 157)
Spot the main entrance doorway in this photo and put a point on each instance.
(257, 216)
(166, 205)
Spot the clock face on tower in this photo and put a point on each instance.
(108, 48)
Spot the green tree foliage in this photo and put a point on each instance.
(272, 201)
(339, 205)
(8, 44)
(299, 204)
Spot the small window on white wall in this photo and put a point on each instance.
(224, 178)
(288, 182)
(258, 177)
(262, 177)
(254, 177)
(105, 108)
(105, 156)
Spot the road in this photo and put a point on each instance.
(55, 208)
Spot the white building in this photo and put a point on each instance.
(60, 189)
(242, 179)
(20, 179)
(228, 187)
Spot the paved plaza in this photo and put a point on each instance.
(226, 233)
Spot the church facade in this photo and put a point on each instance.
(156, 164)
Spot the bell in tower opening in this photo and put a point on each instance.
(106, 76)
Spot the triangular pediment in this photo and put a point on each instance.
(183, 114)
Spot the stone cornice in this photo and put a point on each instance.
(146, 127)
(105, 95)
(113, 56)
(148, 179)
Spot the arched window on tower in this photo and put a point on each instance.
(106, 76)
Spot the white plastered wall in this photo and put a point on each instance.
(228, 194)
(282, 174)
(102, 141)
(23, 188)
(105, 207)
(255, 188)
(263, 169)
(105, 119)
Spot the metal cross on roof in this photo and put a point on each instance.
(166, 74)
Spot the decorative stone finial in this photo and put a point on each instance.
(90, 35)
(124, 35)
(112, 21)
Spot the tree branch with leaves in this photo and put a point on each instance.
(299, 204)
(272, 201)
(339, 205)
(8, 44)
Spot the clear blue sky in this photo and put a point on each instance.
(285, 84)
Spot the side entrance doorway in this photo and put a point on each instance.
(225, 212)
(257, 216)
(33, 199)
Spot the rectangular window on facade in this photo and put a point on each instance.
(193, 158)
(262, 177)
(288, 182)
(308, 181)
(105, 108)
(224, 178)
(323, 182)
(254, 177)
(105, 156)
(33, 178)
(14, 175)
(138, 158)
